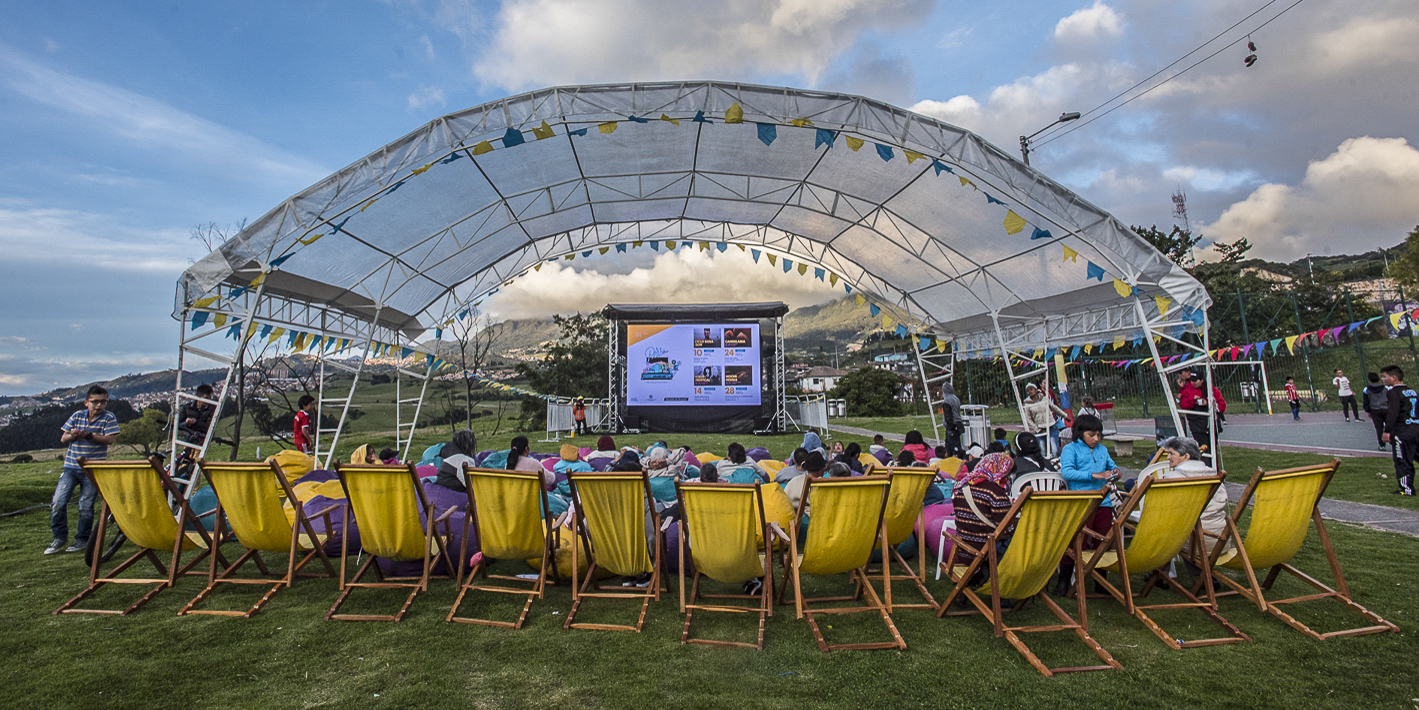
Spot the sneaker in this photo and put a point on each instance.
(77, 547)
(641, 581)
(754, 586)
(56, 546)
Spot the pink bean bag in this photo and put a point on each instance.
(934, 516)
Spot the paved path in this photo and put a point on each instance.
(1318, 433)
(1378, 517)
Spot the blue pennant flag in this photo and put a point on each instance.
(901, 331)
(405, 352)
(238, 291)
(451, 157)
(291, 338)
(438, 333)
(396, 186)
(824, 137)
(1354, 326)
(577, 132)
(1096, 272)
(818, 273)
(234, 332)
(513, 137)
(700, 118)
(621, 248)
(655, 246)
(923, 342)
(1040, 234)
(847, 288)
(280, 260)
(722, 247)
(939, 166)
(755, 253)
(337, 227)
(991, 200)
(787, 264)
(767, 133)
(885, 151)
(265, 330)
(1074, 353)
(198, 319)
(1050, 355)
(586, 253)
(428, 362)
(874, 310)
(639, 120)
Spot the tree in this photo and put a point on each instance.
(146, 434)
(40, 429)
(1176, 245)
(869, 392)
(1234, 252)
(575, 364)
(1405, 269)
(473, 340)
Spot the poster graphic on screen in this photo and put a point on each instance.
(692, 364)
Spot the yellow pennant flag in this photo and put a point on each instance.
(741, 247)
(204, 302)
(1394, 320)
(832, 279)
(538, 267)
(887, 322)
(1291, 344)
(1163, 304)
(219, 320)
(670, 246)
(941, 345)
(734, 114)
(1071, 255)
(602, 250)
(861, 300)
(1122, 288)
(275, 334)
(853, 143)
(1089, 349)
(912, 156)
(801, 122)
(569, 257)
(607, 127)
(260, 278)
(543, 131)
(675, 121)
(802, 268)
(421, 171)
(704, 246)
(1013, 222)
(481, 148)
(965, 182)
(1118, 343)
(311, 240)
(773, 260)
(637, 243)
(300, 341)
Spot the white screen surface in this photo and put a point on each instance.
(692, 364)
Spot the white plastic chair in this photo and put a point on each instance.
(941, 544)
(1039, 480)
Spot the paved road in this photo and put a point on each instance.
(1253, 428)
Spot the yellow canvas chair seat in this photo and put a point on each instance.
(1169, 521)
(396, 522)
(1283, 505)
(613, 513)
(136, 494)
(509, 511)
(903, 516)
(847, 525)
(1046, 525)
(252, 509)
(723, 526)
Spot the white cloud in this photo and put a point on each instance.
(1090, 23)
(425, 97)
(428, 46)
(152, 125)
(1357, 198)
(550, 42)
(56, 237)
(686, 275)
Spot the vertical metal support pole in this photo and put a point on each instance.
(1157, 365)
(780, 372)
(1207, 396)
(1009, 367)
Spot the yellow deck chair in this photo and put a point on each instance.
(1046, 525)
(1283, 505)
(1168, 521)
(256, 516)
(847, 523)
(723, 525)
(903, 515)
(136, 494)
(508, 509)
(612, 511)
(396, 521)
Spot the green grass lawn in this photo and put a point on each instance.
(288, 657)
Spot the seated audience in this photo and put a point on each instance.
(980, 500)
(1028, 457)
(917, 445)
(794, 469)
(737, 467)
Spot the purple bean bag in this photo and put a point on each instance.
(883, 457)
(317, 476)
(934, 516)
(693, 460)
(427, 471)
(758, 453)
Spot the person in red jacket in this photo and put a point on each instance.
(1294, 398)
(1221, 405)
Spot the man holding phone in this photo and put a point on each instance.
(88, 434)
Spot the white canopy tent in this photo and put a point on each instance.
(969, 250)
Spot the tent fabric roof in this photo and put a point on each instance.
(944, 231)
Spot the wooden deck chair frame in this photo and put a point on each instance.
(862, 584)
(960, 575)
(765, 596)
(589, 586)
(223, 534)
(903, 516)
(431, 540)
(1254, 590)
(1114, 542)
(473, 521)
(170, 572)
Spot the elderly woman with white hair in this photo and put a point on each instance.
(1185, 461)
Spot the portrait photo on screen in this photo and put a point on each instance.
(739, 337)
(708, 376)
(706, 337)
(738, 375)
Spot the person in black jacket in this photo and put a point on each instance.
(1377, 406)
(1402, 423)
(195, 418)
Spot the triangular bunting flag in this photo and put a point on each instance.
(965, 182)
(735, 114)
(513, 137)
(1014, 223)
(607, 127)
(755, 253)
(1095, 272)
(884, 151)
(939, 166)
(861, 300)
(854, 143)
(543, 131)
(1122, 288)
(787, 265)
(481, 148)
(912, 156)
(802, 268)
(800, 122)
(1040, 234)
(773, 260)
(991, 200)
(1291, 343)
(668, 119)
(1071, 255)
(824, 137)
(1163, 304)
(767, 133)
(874, 310)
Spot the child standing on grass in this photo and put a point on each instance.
(1347, 395)
(1294, 398)
(88, 434)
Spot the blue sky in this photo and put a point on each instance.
(124, 125)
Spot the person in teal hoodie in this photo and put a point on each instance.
(1086, 466)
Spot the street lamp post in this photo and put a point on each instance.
(1025, 140)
